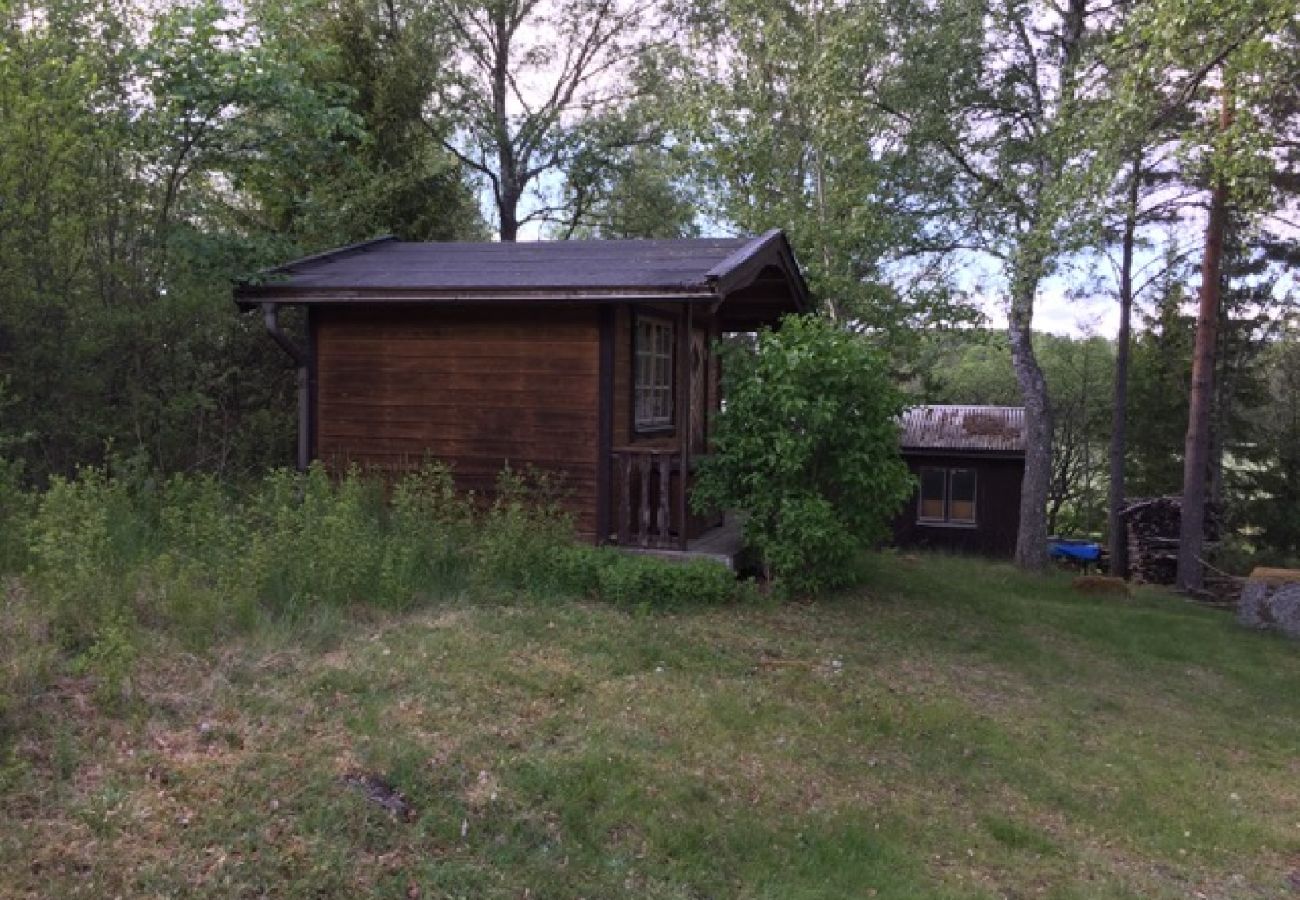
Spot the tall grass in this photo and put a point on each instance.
(107, 557)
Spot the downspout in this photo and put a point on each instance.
(271, 315)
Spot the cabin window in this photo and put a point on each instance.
(947, 496)
(653, 358)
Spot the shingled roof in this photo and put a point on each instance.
(986, 429)
(389, 270)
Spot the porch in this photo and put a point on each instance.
(652, 514)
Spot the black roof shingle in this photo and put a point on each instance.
(644, 267)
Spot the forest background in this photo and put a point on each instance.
(941, 167)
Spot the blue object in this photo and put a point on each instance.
(1074, 550)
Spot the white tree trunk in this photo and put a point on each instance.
(1031, 540)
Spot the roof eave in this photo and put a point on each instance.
(250, 296)
(983, 452)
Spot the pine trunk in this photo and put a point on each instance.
(1119, 421)
(1196, 457)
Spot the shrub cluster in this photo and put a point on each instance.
(107, 556)
(807, 445)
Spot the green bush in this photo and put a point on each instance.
(110, 660)
(16, 507)
(524, 536)
(429, 527)
(807, 446)
(315, 541)
(114, 552)
(648, 583)
(83, 542)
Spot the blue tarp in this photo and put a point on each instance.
(1079, 551)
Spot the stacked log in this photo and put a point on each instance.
(1152, 530)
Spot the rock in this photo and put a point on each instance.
(1271, 600)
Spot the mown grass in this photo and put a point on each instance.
(951, 729)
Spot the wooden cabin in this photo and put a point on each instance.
(590, 359)
(968, 462)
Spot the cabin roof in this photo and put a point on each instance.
(977, 429)
(388, 270)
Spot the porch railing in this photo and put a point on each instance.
(646, 498)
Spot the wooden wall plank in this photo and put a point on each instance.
(473, 387)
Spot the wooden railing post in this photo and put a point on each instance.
(665, 483)
(648, 522)
(625, 498)
(644, 467)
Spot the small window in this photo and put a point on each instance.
(961, 496)
(653, 392)
(933, 490)
(947, 496)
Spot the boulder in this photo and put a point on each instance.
(1271, 600)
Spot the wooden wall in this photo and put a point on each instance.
(476, 387)
(997, 503)
(624, 433)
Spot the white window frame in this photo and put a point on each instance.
(654, 375)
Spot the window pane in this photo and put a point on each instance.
(932, 490)
(961, 504)
(653, 373)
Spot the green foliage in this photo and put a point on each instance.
(526, 545)
(645, 583)
(15, 510)
(84, 540)
(1273, 483)
(110, 660)
(524, 530)
(113, 553)
(778, 99)
(974, 366)
(807, 446)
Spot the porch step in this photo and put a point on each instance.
(722, 544)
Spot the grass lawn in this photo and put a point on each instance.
(951, 729)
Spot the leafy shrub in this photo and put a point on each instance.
(522, 540)
(807, 445)
(112, 554)
(16, 507)
(83, 539)
(649, 583)
(315, 541)
(429, 527)
(110, 659)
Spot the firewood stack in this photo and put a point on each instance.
(1152, 527)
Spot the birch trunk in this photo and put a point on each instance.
(1031, 539)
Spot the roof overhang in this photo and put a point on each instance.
(973, 453)
(753, 286)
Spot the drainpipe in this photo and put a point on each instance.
(271, 315)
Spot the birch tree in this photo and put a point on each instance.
(770, 100)
(984, 97)
(538, 92)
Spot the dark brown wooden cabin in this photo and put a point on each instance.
(590, 359)
(968, 462)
